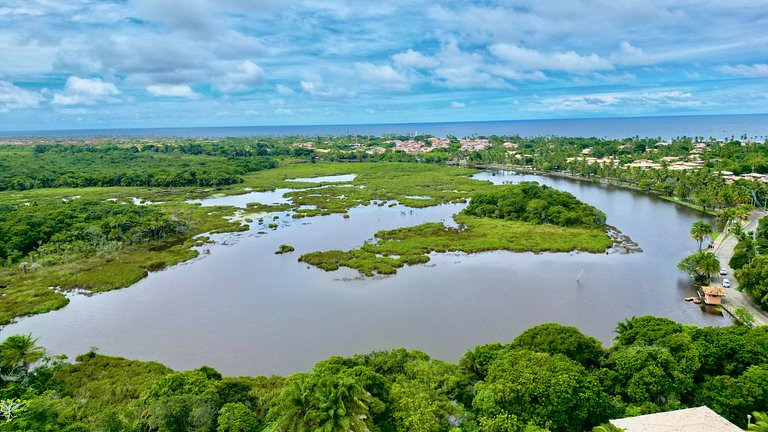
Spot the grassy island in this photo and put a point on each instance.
(518, 218)
(100, 217)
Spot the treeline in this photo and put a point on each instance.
(50, 166)
(79, 225)
(751, 262)
(530, 202)
(551, 377)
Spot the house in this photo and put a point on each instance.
(713, 294)
(700, 419)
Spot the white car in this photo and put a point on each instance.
(726, 283)
(723, 272)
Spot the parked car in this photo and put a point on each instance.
(726, 283)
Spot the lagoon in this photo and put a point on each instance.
(246, 311)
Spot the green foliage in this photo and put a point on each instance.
(411, 245)
(550, 391)
(655, 365)
(237, 417)
(701, 231)
(80, 224)
(88, 166)
(753, 280)
(554, 338)
(284, 249)
(760, 422)
(530, 202)
(700, 264)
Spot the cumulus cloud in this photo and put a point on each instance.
(172, 90)
(462, 69)
(415, 59)
(630, 55)
(85, 91)
(529, 59)
(383, 76)
(14, 97)
(757, 70)
(247, 75)
(315, 86)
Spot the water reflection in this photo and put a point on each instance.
(244, 310)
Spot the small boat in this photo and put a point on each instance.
(697, 301)
(690, 298)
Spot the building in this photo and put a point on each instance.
(701, 419)
(713, 294)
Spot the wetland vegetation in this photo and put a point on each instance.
(520, 218)
(550, 378)
(64, 227)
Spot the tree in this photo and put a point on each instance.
(700, 264)
(18, 353)
(551, 391)
(554, 338)
(341, 406)
(753, 279)
(236, 417)
(700, 230)
(760, 422)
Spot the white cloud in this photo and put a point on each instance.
(415, 59)
(247, 75)
(284, 90)
(14, 97)
(383, 76)
(757, 70)
(85, 91)
(314, 85)
(626, 101)
(461, 69)
(175, 90)
(528, 59)
(456, 104)
(630, 55)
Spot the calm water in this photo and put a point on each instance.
(244, 310)
(718, 126)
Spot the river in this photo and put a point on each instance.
(246, 311)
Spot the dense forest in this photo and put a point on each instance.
(551, 377)
(52, 166)
(530, 202)
(79, 225)
(751, 262)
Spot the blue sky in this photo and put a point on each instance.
(71, 64)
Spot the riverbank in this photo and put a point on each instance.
(595, 179)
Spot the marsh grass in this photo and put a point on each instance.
(393, 249)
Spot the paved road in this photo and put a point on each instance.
(724, 250)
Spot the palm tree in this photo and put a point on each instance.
(699, 231)
(761, 422)
(292, 407)
(19, 352)
(708, 263)
(342, 406)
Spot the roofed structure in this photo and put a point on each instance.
(713, 294)
(700, 419)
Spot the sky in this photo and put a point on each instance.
(85, 64)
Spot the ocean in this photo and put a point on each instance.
(754, 126)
